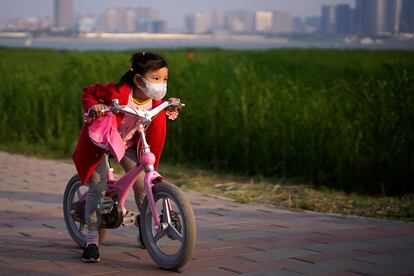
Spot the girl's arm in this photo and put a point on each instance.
(89, 97)
(97, 94)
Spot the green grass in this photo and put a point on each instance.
(342, 119)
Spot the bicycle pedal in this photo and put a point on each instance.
(129, 218)
(105, 205)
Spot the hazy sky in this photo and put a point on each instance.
(172, 10)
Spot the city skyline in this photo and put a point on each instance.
(367, 17)
(173, 13)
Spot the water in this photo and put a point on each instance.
(227, 42)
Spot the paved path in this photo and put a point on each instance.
(232, 238)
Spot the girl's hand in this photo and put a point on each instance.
(172, 115)
(172, 111)
(98, 109)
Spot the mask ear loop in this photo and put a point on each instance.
(143, 80)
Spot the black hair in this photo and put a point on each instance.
(142, 62)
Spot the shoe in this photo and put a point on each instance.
(91, 254)
(139, 236)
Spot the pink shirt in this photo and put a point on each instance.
(130, 123)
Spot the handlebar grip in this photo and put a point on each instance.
(94, 114)
(179, 105)
(91, 113)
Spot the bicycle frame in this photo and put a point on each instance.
(121, 187)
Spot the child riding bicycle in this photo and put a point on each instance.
(142, 87)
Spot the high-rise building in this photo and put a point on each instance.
(393, 15)
(197, 23)
(158, 26)
(218, 21)
(234, 24)
(367, 13)
(298, 24)
(312, 24)
(64, 18)
(129, 16)
(343, 19)
(112, 20)
(145, 20)
(407, 16)
(281, 22)
(263, 21)
(328, 19)
(127, 19)
(375, 17)
(379, 16)
(359, 16)
(240, 22)
(213, 22)
(86, 24)
(148, 13)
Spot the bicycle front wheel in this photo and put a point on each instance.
(173, 246)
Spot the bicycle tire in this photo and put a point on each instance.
(188, 228)
(80, 239)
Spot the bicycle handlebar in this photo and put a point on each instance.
(146, 115)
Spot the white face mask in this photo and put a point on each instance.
(154, 91)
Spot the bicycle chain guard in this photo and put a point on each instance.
(113, 218)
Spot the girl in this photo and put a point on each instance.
(142, 87)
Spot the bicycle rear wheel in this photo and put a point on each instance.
(172, 247)
(74, 211)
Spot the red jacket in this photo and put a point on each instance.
(87, 155)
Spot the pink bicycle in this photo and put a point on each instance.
(167, 222)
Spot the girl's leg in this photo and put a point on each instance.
(97, 185)
(129, 161)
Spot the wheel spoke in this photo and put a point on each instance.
(78, 193)
(174, 233)
(159, 235)
(166, 211)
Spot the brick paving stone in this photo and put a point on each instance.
(276, 254)
(208, 272)
(44, 266)
(393, 241)
(217, 261)
(338, 255)
(396, 259)
(335, 266)
(244, 235)
(340, 246)
(232, 238)
(339, 273)
(262, 267)
(277, 271)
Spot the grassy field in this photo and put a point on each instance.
(329, 118)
